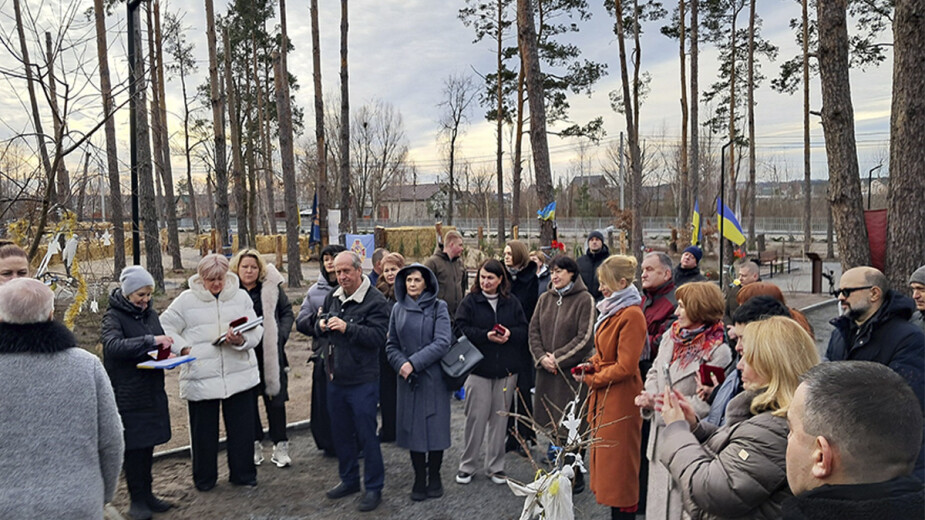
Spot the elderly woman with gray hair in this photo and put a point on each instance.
(130, 329)
(222, 375)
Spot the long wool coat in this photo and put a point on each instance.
(612, 415)
(664, 499)
(420, 333)
(128, 335)
(564, 326)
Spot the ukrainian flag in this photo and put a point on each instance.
(697, 233)
(547, 213)
(731, 228)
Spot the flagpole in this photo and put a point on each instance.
(722, 195)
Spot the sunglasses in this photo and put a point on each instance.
(846, 291)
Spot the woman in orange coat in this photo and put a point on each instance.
(613, 378)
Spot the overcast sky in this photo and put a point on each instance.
(401, 51)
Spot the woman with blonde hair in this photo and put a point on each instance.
(739, 469)
(388, 378)
(696, 338)
(222, 376)
(264, 285)
(612, 376)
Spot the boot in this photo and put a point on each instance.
(157, 505)
(134, 465)
(434, 484)
(616, 514)
(139, 510)
(419, 490)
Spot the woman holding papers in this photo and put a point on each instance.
(131, 329)
(222, 376)
(263, 284)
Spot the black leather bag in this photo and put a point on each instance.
(458, 362)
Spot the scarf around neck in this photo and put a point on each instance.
(615, 302)
(694, 344)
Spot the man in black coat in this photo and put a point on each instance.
(875, 326)
(855, 427)
(688, 269)
(588, 263)
(355, 320)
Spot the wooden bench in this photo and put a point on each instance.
(775, 261)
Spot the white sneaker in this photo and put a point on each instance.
(281, 454)
(499, 478)
(258, 453)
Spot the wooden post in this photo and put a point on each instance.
(610, 239)
(516, 232)
(481, 236)
(279, 250)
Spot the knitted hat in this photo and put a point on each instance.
(133, 278)
(694, 250)
(596, 234)
(918, 276)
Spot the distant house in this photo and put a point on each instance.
(408, 201)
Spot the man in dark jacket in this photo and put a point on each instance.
(355, 320)
(875, 326)
(588, 263)
(658, 299)
(688, 269)
(451, 273)
(855, 427)
(917, 283)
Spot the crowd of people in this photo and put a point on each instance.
(694, 404)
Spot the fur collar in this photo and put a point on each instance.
(269, 296)
(47, 337)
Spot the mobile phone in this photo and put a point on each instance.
(499, 329)
(705, 371)
(238, 322)
(666, 371)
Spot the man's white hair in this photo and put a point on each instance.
(26, 300)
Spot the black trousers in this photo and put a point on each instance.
(137, 466)
(238, 414)
(320, 418)
(276, 418)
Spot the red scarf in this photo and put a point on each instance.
(695, 344)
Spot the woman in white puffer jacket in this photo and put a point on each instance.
(221, 375)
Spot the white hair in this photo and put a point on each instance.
(26, 300)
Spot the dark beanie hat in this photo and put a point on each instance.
(596, 234)
(694, 250)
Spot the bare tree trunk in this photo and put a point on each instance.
(807, 168)
(83, 187)
(750, 187)
(695, 103)
(517, 175)
(173, 237)
(218, 123)
(632, 121)
(287, 160)
(906, 201)
(147, 204)
(112, 158)
(267, 149)
(685, 206)
(838, 128)
(526, 37)
(194, 213)
(63, 182)
(237, 162)
(246, 131)
(320, 145)
(344, 125)
(499, 122)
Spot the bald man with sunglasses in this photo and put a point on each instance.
(874, 326)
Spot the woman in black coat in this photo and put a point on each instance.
(130, 329)
(494, 322)
(524, 283)
(263, 284)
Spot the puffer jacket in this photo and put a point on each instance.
(271, 353)
(195, 319)
(308, 313)
(128, 335)
(736, 471)
(476, 317)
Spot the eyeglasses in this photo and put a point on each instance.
(846, 291)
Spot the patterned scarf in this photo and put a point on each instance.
(695, 344)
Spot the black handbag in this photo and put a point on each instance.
(458, 362)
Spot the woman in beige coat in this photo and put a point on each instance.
(696, 338)
(739, 470)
